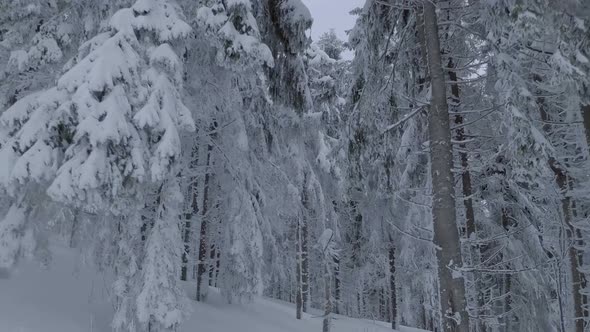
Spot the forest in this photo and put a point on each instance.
(438, 179)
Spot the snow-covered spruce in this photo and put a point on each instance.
(110, 127)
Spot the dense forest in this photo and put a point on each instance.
(440, 179)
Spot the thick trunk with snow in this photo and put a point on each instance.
(446, 235)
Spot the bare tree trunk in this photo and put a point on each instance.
(336, 285)
(304, 266)
(446, 236)
(507, 282)
(298, 271)
(193, 210)
(382, 307)
(328, 298)
(304, 248)
(203, 241)
(212, 256)
(216, 256)
(576, 275)
(586, 117)
(328, 309)
(394, 323)
(217, 264)
(467, 191)
(186, 252)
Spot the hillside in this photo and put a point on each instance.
(71, 297)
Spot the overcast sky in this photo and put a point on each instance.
(329, 14)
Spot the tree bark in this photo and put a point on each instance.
(212, 257)
(393, 294)
(336, 285)
(304, 247)
(328, 259)
(304, 266)
(193, 210)
(186, 252)
(467, 191)
(298, 271)
(203, 241)
(576, 275)
(507, 280)
(328, 305)
(586, 117)
(382, 307)
(446, 235)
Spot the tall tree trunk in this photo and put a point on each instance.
(576, 275)
(446, 234)
(186, 252)
(203, 241)
(304, 266)
(299, 272)
(562, 181)
(579, 243)
(212, 257)
(216, 252)
(392, 289)
(383, 299)
(467, 191)
(193, 210)
(304, 247)
(336, 285)
(217, 264)
(507, 281)
(586, 117)
(328, 305)
(584, 278)
(327, 296)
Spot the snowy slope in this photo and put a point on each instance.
(70, 297)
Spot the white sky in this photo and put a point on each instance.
(329, 14)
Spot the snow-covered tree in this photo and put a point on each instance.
(330, 44)
(236, 34)
(160, 303)
(111, 125)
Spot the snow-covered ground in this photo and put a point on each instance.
(71, 297)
